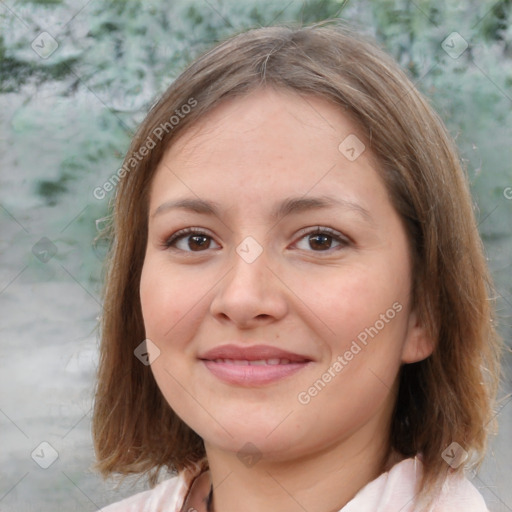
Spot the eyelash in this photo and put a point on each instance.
(335, 235)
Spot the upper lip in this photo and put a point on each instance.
(251, 353)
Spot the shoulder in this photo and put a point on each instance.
(167, 496)
(459, 493)
(397, 489)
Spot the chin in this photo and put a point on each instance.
(231, 435)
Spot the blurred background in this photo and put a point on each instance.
(76, 78)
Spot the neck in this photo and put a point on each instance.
(323, 482)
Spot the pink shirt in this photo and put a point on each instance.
(391, 491)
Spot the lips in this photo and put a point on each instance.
(254, 365)
(252, 353)
(256, 362)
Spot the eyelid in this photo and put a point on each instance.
(182, 233)
(314, 229)
(324, 229)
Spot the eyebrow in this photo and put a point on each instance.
(291, 205)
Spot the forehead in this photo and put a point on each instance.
(294, 117)
(269, 142)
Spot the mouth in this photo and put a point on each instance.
(256, 362)
(255, 365)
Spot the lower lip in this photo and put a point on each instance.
(252, 375)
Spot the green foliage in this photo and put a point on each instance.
(50, 190)
(116, 57)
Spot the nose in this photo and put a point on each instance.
(250, 294)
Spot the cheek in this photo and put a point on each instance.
(169, 304)
(168, 299)
(350, 302)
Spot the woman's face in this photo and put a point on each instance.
(283, 318)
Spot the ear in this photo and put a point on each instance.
(418, 345)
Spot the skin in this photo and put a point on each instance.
(301, 294)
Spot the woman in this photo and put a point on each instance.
(297, 309)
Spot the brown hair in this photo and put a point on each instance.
(446, 397)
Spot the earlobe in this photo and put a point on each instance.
(418, 344)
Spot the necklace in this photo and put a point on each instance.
(209, 500)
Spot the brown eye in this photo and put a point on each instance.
(322, 240)
(189, 240)
(198, 242)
